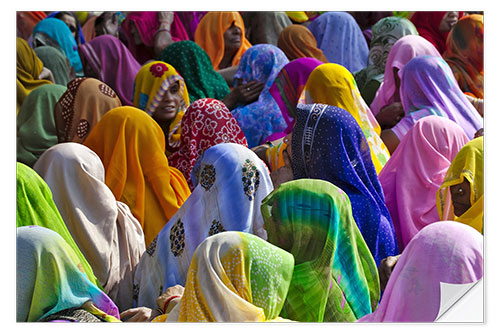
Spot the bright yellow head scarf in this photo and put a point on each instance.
(150, 85)
(333, 84)
(131, 146)
(467, 164)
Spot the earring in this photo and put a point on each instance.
(460, 191)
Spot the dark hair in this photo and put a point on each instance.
(100, 18)
(61, 14)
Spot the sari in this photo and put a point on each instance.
(385, 33)
(231, 182)
(405, 49)
(147, 24)
(467, 165)
(150, 85)
(210, 35)
(190, 21)
(36, 128)
(427, 24)
(298, 42)
(193, 64)
(327, 143)
(80, 108)
(28, 69)
(341, 40)
(442, 252)
(464, 54)
(416, 169)
(104, 229)
(335, 277)
(50, 278)
(112, 63)
(260, 119)
(429, 87)
(88, 28)
(81, 37)
(332, 84)
(35, 206)
(138, 174)
(265, 27)
(56, 61)
(26, 21)
(207, 122)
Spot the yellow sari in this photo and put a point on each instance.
(333, 84)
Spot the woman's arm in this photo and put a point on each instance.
(390, 139)
(163, 38)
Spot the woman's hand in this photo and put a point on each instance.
(166, 17)
(176, 290)
(46, 74)
(243, 94)
(390, 115)
(142, 314)
(385, 269)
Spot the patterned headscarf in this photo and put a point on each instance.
(341, 40)
(81, 107)
(207, 122)
(298, 42)
(328, 144)
(263, 117)
(56, 61)
(194, 65)
(231, 182)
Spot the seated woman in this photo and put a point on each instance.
(335, 277)
(131, 146)
(104, 229)
(298, 42)
(435, 26)
(416, 170)
(442, 252)
(428, 87)
(206, 123)
(230, 184)
(54, 60)
(161, 92)
(50, 284)
(107, 59)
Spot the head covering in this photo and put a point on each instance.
(427, 24)
(104, 229)
(298, 42)
(263, 117)
(190, 21)
(59, 32)
(131, 146)
(405, 49)
(147, 24)
(265, 27)
(341, 40)
(429, 87)
(28, 69)
(312, 219)
(36, 128)
(81, 37)
(194, 65)
(210, 35)
(231, 182)
(26, 21)
(468, 165)
(287, 89)
(49, 277)
(81, 107)
(88, 28)
(416, 169)
(150, 85)
(464, 53)
(113, 64)
(442, 252)
(56, 61)
(207, 122)
(328, 144)
(332, 84)
(35, 206)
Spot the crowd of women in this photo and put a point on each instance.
(247, 166)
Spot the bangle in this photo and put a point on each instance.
(160, 30)
(168, 301)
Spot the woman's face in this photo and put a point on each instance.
(460, 196)
(169, 105)
(448, 21)
(71, 23)
(232, 39)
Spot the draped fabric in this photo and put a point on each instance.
(88, 28)
(468, 165)
(298, 42)
(429, 87)
(56, 61)
(131, 146)
(230, 184)
(35, 206)
(190, 21)
(260, 119)
(327, 143)
(341, 40)
(210, 35)
(50, 277)
(112, 63)
(416, 169)
(335, 277)
(405, 49)
(26, 21)
(81, 37)
(206, 123)
(442, 252)
(80, 108)
(427, 24)
(265, 27)
(465, 54)
(104, 229)
(193, 64)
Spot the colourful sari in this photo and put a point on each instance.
(427, 24)
(298, 42)
(335, 277)
(26, 21)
